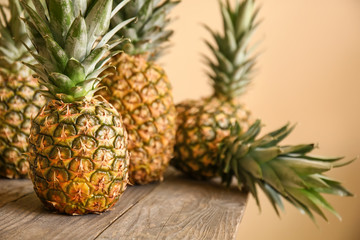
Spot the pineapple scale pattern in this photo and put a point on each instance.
(78, 156)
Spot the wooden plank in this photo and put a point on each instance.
(11, 190)
(26, 218)
(181, 208)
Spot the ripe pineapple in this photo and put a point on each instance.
(280, 171)
(19, 99)
(78, 143)
(140, 90)
(215, 136)
(203, 123)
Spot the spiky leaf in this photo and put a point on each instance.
(286, 171)
(12, 36)
(149, 34)
(71, 39)
(232, 72)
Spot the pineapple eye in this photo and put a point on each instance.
(79, 166)
(64, 131)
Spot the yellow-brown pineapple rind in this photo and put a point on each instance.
(141, 92)
(19, 103)
(201, 126)
(78, 157)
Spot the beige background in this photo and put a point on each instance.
(309, 75)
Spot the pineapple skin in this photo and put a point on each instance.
(78, 156)
(201, 126)
(20, 101)
(141, 92)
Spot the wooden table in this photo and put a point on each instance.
(178, 208)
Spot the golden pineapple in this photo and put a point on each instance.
(78, 143)
(215, 137)
(140, 90)
(203, 124)
(19, 96)
(78, 156)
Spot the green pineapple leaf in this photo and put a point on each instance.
(287, 172)
(149, 33)
(12, 36)
(72, 44)
(234, 63)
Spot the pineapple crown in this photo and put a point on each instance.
(148, 34)
(72, 43)
(232, 69)
(12, 36)
(280, 171)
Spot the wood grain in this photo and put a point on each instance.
(178, 208)
(182, 209)
(11, 190)
(27, 219)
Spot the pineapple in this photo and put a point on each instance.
(216, 136)
(203, 124)
(78, 143)
(140, 89)
(280, 171)
(19, 96)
